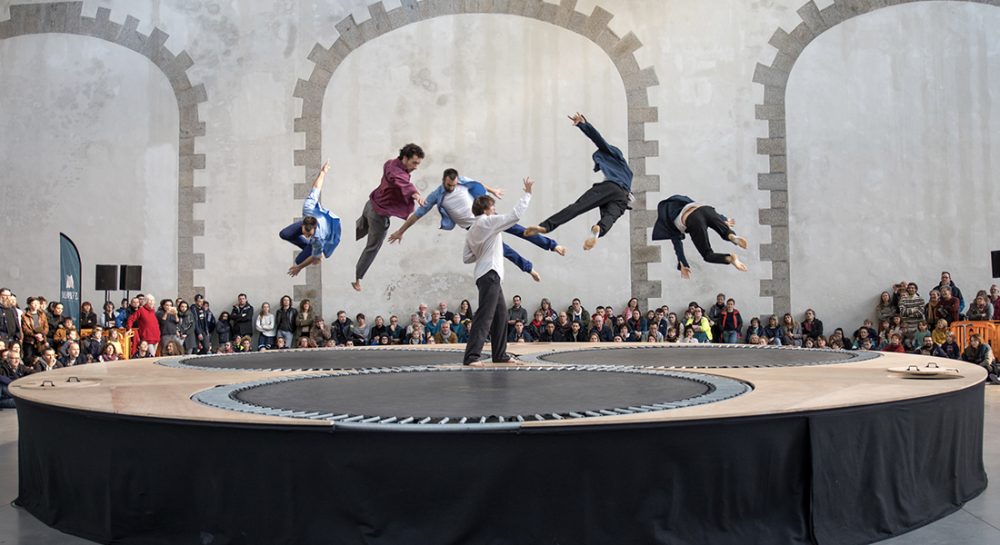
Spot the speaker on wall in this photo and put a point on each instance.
(130, 278)
(996, 264)
(106, 278)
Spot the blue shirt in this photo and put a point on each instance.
(608, 159)
(327, 235)
(436, 197)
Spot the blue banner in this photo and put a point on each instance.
(69, 278)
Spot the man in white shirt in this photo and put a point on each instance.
(484, 247)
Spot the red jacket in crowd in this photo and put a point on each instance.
(148, 324)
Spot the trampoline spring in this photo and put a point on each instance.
(406, 420)
(520, 418)
(354, 418)
(463, 420)
(592, 413)
(557, 416)
(445, 420)
(539, 417)
(623, 411)
(501, 419)
(577, 415)
(482, 419)
(424, 420)
(339, 417)
(371, 420)
(323, 416)
(389, 420)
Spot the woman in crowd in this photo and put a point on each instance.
(108, 318)
(812, 327)
(633, 304)
(465, 309)
(265, 326)
(753, 330)
(305, 319)
(772, 331)
(361, 330)
(115, 339)
(185, 327)
(790, 333)
(820, 342)
(379, 330)
(224, 329)
(87, 317)
(885, 309)
(979, 309)
(637, 323)
(548, 313)
(109, 353)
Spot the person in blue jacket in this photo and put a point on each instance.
(317, 234)
(679, 215)
(612, 196)
(453, 199)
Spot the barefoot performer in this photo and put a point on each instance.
(612, 195)
(484, 247)
(317, 233)
(394, 196)
(454, 200)
(679, 214)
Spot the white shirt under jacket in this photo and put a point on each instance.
(483, 243)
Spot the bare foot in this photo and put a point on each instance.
(535, 230)
(356, 285)
(560, 250)
(592, 241)
(740, 266)
(537, 277)
(739, 241)
(477, 364)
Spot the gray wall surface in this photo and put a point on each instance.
(195, 153)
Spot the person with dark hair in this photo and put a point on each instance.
(284, 320)
(394, 196)
(317, 234)
(679, 215)
(453, 199)
(10, 322)
(612, 196)
(241, 317)
(484, 247)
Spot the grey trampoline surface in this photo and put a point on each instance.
(715, 356)
(321, 359)
(448, 398)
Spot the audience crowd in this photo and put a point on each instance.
(38, 337)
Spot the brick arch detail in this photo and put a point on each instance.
(594, 27)
(774, 79)
(68, 18)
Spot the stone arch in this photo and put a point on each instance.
(68, 18)
(594, 27)
(774, 79)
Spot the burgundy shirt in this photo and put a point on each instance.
(394, 194)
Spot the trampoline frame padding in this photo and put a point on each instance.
(226, 397)
(675, 356)
(283, 360)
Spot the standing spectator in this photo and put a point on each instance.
(144, 318)
(264, 324)
(108, 318)
(701, 326)
(979, 310)
(885, 310)
(811, 326)
(224, 329)
(88, 319)
(284, 320)
(169, 322)
(715, 314)
(946, 282)
(730, 323)
(242, 317)
(10, 322)
(952, 305)
(753, 330)
(185, 327)
(515, 313)
(204, 325)
(34, 328)
(979, 353)
(305, 320)
(911, 309)
(55, 320)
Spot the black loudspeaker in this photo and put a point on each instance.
(130, 278)
(996, 264)
(106, 277)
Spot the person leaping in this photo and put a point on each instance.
(611, 196)
(454, 199)
(679, 214)
(317, 234)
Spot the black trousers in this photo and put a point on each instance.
(697, 226)
(610, 197)
(491, 317)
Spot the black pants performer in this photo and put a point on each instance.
(610, 197)
(491, 317)
(698, 223)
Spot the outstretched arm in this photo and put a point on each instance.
(397, 235)
(580, 121)
(682, 264)
(318, 182)
(294, 270)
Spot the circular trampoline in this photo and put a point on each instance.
(716, 356)
(319, 359)
(456, 398)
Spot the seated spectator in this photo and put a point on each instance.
(88, 318)
(630, 335)
(671, 336)
(940, 333)
(979, 310)
(701, 326)
(895, 344)
(812, 327)
(394, 330)
(730, 323)
(594, 337)
(63, 328)
(47, 361)
(654, 330)
(576, 313)
(378, 330)
(549, 333)
(980, 353)
(417, 335)
(462, 330)
(72, 337)
(926, 347)
(330, 343)
(433, 325)
(93, 344)
(108, 354)
(790, 333)
(637, 323)
(341, 328)
(950, 347)
(444, 312)
(672, 321)
(549, 314)
(142, 350)
(74, 356)
(384, 340)
(224, 329)
(861, 336)
(360, 331)
(838, 336)
(772, 331)
(808, 343)
(446, 336)
(651, 339)
(917, 338)
(885, 309)
(603, 330)
(173, 347)
(303, 342)
(320, 332)
(753, 330)
(108, 318)
(576, 332)
(422, 314)
(896, 326)
(949, 305)
(821, 342)
(864, 346)
(279, 343)
(690, 336)
(946, 282)
(465, 309)
(537, 325)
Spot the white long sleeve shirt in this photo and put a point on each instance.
(483, 243)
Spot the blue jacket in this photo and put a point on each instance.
(327, 235)
(608, 159)
(475, 188)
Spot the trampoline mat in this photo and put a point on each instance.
(326, 359)
(695, 357)
(474, 393)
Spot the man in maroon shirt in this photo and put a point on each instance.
(394, 196)
(950, 304)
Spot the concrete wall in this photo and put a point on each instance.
(486, 93)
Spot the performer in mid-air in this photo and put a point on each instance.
(454, 199)
(679, 215)
(317, 234)
(484, 247)
(612, 196)
(394, 196)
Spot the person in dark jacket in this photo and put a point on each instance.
(730, 323)
(224, 329)
(10, 322)
(678, 215)
(341, 329)
(204, 324)
(284, 320)
(611, 196)
(241, 317)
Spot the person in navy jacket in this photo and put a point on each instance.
(679, 215)
(612, 196)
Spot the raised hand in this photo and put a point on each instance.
(577, 118)
(294, 270)
(496, 192)
(326, 167)
(528, 184)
